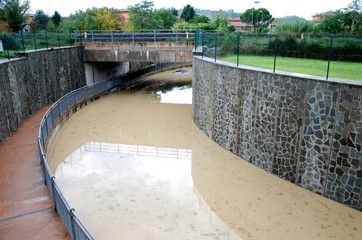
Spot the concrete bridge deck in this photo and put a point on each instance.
(138, 51)
(26, 208)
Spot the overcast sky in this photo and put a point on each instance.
(278, 8)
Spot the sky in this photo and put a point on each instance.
(278, 8)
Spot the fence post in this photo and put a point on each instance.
(215, 46)
(238, 51)
(275, 53)
(22, 40)
(329, 57)
(58, 38)
(202, 44)
(52, 184)
(71, 213)
(34, 36)
(46, 38)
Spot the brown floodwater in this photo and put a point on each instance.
(135, 166)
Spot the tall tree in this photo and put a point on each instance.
(188, 13)
(139, 15)
(162, 18)
(14, 13)
(94, 19)
(56, 19)
(107, 19)
(41, 19)
(355, 10)
(258, 18)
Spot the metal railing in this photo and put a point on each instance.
(64, 106)
(329, 56)
(16, 44)
(134, 36)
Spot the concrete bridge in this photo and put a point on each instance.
(136, 46)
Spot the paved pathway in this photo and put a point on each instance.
(26, 207)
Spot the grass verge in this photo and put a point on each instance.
(340, 70)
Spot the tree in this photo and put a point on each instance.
(56, 19)
(221, 21)
(13, 12)
(174, 11)
(139, 15)
(333, 22)
(41, 20)
(200, 19)
(162, 19)
(258, 18)
(94, 19)
(354, 9)
(107, 19)
(188, 13)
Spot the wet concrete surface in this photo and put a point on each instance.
(26, 208)
(136, 167)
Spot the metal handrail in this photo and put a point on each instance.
(64, 105)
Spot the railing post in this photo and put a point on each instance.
(22, 40)
(46, 39)
(71, 213)
(275, 52)
(52, 184)
(238, 51)
(215, 46)
(154, 35)
(34, 36)
(202, 44)
(58, 38)
(329, 57)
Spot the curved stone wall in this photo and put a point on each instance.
(303, 129)
(30, 83)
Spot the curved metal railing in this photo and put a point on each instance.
(60, 111)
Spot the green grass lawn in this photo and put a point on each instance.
(341, 70)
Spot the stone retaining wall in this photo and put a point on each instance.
(303, 129)
(30, 83)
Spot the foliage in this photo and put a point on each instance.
(174, 11)
(221, 21)
(188, 13)
(200, 19)
(140, 14)
(95, 18)
(162, 19)
(40, 20)
(13, 12)
(56, 19)
(258, 18)
(333, 22)
(295, 27)
(9, 43)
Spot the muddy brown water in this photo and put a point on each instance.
(135, 166)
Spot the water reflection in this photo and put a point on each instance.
(138, 192)
(131, 176)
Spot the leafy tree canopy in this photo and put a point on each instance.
(56, 18)
(140, 14)
(13, 12)
(41, 20)
(188, 13)
(94, 19)
(258, 18)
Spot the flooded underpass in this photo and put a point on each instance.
(134, 166)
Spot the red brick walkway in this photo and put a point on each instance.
(26, 208)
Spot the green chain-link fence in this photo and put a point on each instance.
(328, 56)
